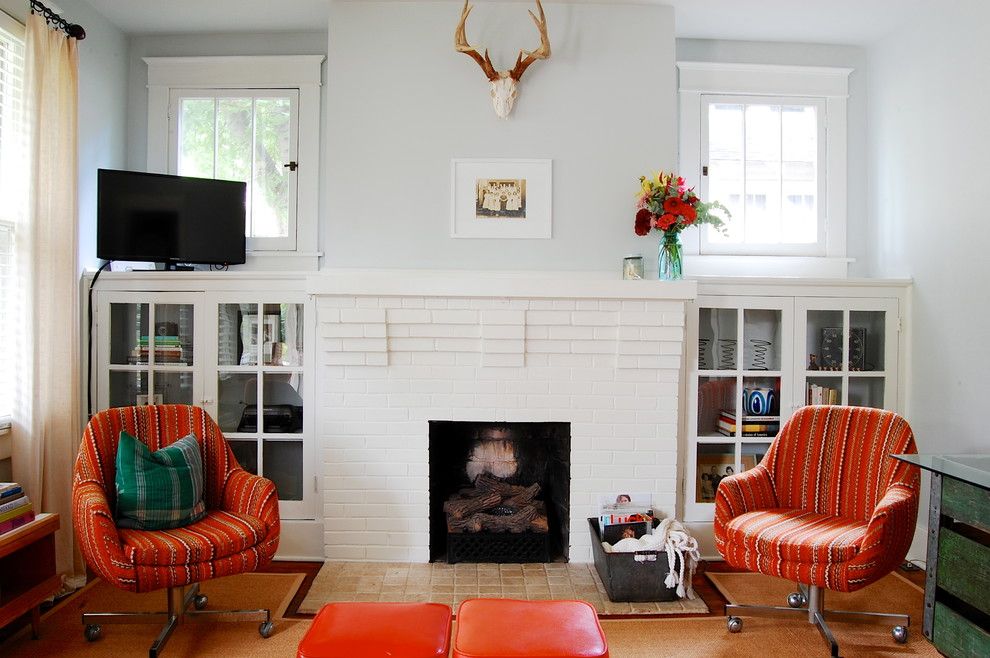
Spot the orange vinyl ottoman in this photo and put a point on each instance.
(378, 630)
(505, 628)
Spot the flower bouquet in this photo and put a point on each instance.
(669, 206)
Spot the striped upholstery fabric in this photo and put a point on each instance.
(240, 532)
(827, 506)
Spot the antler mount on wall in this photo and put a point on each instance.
(504, 83)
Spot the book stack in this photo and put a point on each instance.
(751, 425)
(619, 523)
(823, 395)
(15, 508)
(168, 349)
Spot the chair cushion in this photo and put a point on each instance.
(217, 535)
(161, 489)
(797, 535)
(505, 628)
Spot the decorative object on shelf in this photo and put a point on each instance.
(726, 353)
(759, 401)
(704, 353)
(812, 362)
(632, 267)
(711, 468)
(857, 348)
(759, 348)
(500, 198)
(831, 351)
(504, 84)
(669, 206)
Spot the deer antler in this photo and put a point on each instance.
(543, 52)
(462, 46)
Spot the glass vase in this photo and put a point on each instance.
(669, 263)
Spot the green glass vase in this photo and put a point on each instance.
(670, 258)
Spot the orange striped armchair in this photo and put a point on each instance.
(239, 533)
(827, 507)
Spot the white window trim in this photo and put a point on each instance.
(302, 72)
(828, 83)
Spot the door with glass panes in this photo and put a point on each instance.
(260, 396)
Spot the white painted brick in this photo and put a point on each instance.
(572, 333)
(343, 359)
(540, 304)
(362, 315)
(587, 305)
(458, 303)
(413, 302)
(374, 330)
(409, 316)
(366, 302)
(596, 318)
(606, 333)
(434, 303)
(548, 317)
(571, 388)
(491, 360)
(548, 346)
(609, 305)
(592, 402)
(564, 304)
(498, 317)
(591, 346)
(389, 302)
(359, 372)
(344, 552)
(664, 307)
(344, 469)
(402, 330)
(365, 400)
(527, 387)
(639, 347)
(515, 332)
(667, 347)
(355, 538)
(609, 471)
(458, 344)
(675, 319)
(377, 359)
(339, 525)
(571, 360)
(455, 317)
(331, 344)
(592, 374)
(327, 302)
(411, 344)
(327, 315)
(503, 346)
(434, 358)
(546, 401)
(634, 430)
(363, 344)
(465, 359)
(640, 319)
(546, 372)
(662, 333)
(590, 457)
(487, 302)
(537, 332)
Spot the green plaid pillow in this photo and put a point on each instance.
(159, 490)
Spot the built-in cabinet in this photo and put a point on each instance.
(241, 353)
(756, 352)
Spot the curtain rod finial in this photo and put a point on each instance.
(76, 31)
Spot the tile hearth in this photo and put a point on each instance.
(453, 583)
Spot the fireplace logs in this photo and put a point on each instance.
(494, 505)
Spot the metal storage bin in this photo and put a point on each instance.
(631, 576)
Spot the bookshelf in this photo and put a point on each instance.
(27, 569)
(756, 351)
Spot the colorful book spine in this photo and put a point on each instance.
(13, 524)
(13, 503)
(8, 489)
(18, 511)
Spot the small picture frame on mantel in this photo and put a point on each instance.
(501, 198)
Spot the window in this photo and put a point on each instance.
(244, 135)
(252, 119)
(769, 142)
(13, 188)
(769, 151)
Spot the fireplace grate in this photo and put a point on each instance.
(498, 547)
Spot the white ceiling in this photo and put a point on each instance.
(858, 22)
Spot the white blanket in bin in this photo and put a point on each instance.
(670, 536)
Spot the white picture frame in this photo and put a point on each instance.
(501, 198)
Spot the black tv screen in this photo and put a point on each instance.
(169, 219)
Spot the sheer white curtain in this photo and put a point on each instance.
(46, 423)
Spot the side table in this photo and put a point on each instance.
(27, 569)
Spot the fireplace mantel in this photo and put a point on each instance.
(495, 284)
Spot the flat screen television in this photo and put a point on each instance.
(169, 219)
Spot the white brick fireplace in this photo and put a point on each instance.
(399, 349)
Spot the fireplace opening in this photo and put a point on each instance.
(499, 492)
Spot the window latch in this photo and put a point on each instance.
(704, 170)
(292, 166)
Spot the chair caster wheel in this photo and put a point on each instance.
(266, 629)
(797, 600)
(900, 634)
(200, 601)
(734, 624)
(93, 632)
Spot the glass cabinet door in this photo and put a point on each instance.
(150, 351)
(261, 392)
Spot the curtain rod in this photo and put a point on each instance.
(74, 30)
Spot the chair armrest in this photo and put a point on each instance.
(252, 495)
(744, 492)
(890, 530)
(96, 531)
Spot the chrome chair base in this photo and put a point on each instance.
(180, 600)
(809, 602)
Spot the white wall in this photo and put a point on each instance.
(102, 107)
(930, 156)
(402, 103)
(858, 245)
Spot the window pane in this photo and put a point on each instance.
(799, 187)
(196, 130)
(270, 192)
(762, 174)
(725, 165)
(235, 131)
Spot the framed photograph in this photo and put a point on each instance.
(711, 468)
(500, 198)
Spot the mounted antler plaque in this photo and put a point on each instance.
(504, 83)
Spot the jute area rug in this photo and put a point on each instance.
(453, 583)
(893, 593)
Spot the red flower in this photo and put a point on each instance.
(644, 222)
(672, 204)
(666, 220)
(689, 213)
